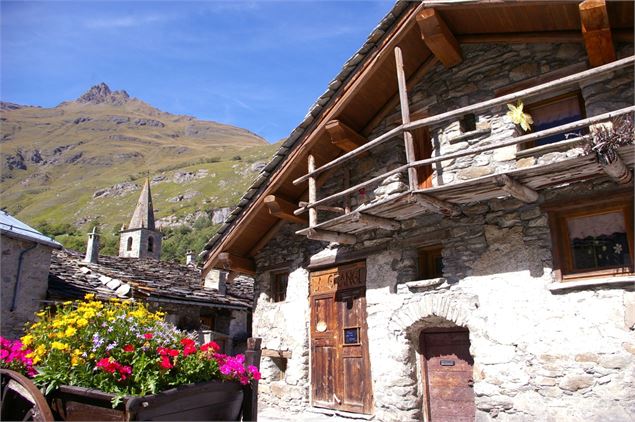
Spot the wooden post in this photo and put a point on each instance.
(250, 400)
(347, 184)
(312, 192)
(405, 118)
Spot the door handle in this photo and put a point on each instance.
(337, 399)
(470, 383)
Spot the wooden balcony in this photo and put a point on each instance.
(522, 183)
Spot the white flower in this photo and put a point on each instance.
(617, 248)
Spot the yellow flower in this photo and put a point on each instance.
(70, 332)
(60, 346)
(89, 296)
(27, 339)
(82, 322)
(75, 360)
(40, 314)
(68, 302)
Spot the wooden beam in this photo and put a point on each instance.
(374, 221)
(596, 32)
(438, 37)
(329, 236)
(262, 242)
(303, 208)
(435, 205)
(271, 353)
(343, 136)
(282, 209)
(516, 189)
(413, 183)
(312, 191)
(237, 263)
(615, 168)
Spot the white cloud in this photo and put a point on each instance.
(123, 21)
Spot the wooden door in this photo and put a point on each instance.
(423, 150)
(447, 366)
(340, 369)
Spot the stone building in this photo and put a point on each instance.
(454, 266)
(24, 265)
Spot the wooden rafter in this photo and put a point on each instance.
(616, 169)
(282, 209)
(596, 32)
(372, 221)
(436, 205)
(516, 189)
(329, 236)
(343, 137)
(237, 263)
(438, 37)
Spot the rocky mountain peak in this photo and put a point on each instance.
(101, 93)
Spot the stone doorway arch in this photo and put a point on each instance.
(437, 318)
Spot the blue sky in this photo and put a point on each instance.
(258, 65)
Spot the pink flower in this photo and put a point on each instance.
(254, 372)
(148, 336)
(173, 352)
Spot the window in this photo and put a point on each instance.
(279, 287)
(279, 368)
(150, 244)
(430, 262)
(129, 244)
(554, 112)
(593, 239)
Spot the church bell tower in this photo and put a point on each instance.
(141, 239)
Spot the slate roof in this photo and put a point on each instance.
(12, 227)
(71, 278)
(322, 103)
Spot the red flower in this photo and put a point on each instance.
(188, 350)
(107, 364)
(187, 342)
(124, 371)
(162, 351)
(128, 348)
(147, 336)
(211, 345)
(173, 352)
(165, 362)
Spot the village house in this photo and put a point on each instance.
(448, 235)
(217, 307)
(26, 256)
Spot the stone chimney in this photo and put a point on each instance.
(92, 248)
(216, 279)
(189, 258)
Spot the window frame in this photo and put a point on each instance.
(562, 256)
(552, 100)
(425, 262)
(278, 293)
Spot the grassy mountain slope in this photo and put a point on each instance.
(83, 162)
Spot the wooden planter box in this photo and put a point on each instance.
(208, 401)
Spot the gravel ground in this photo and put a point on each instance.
(275, 415)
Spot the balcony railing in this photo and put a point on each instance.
(520, 183)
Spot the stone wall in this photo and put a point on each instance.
(283, 326)
(32, 286)
(538, 354)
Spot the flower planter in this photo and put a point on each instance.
(208, 401)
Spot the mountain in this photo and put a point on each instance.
(83, 161)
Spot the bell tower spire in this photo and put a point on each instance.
(141, 239)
